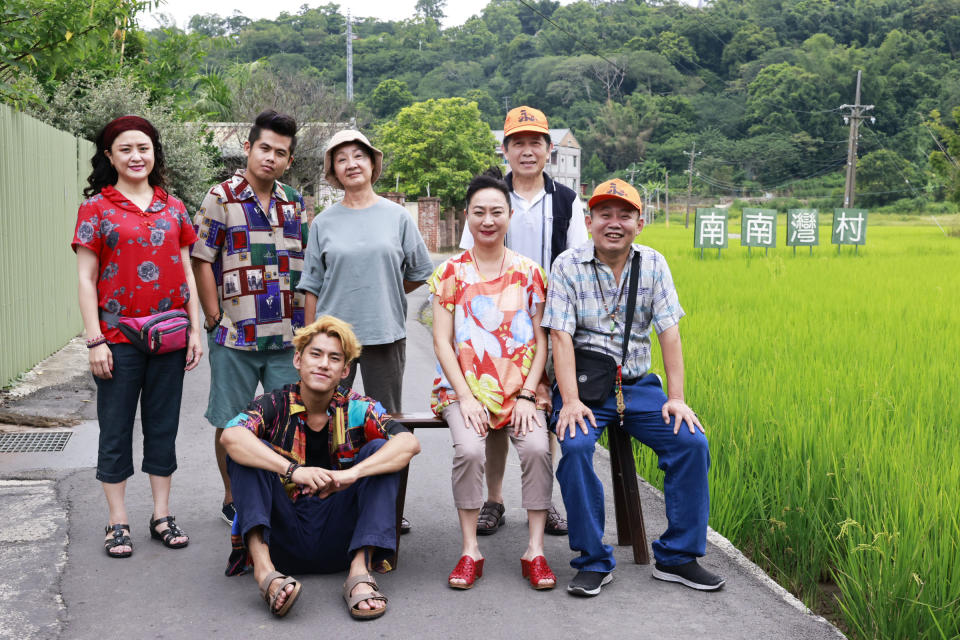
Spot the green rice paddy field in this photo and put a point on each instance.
(828, 386)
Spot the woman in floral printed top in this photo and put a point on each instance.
(132, 241)
(487, 305)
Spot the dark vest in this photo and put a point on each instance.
(561, 199)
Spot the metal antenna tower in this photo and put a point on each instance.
(349, 58)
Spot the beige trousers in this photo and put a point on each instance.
(470, 458)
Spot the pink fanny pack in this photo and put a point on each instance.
(158, 333)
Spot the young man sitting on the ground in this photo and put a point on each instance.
(313, 468)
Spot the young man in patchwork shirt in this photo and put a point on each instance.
(586, 311)
(247, 260)
(314, 470)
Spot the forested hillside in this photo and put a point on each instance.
(756, 85)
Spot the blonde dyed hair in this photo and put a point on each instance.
(333, 327)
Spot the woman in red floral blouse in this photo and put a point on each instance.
(132, 242)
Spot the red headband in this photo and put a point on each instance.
(127, 123)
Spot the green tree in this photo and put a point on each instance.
(491, 112)
(51, 39)
(389, 97)
(594, 172)
(884, 176)
(440, 144)
(208, 24)
(501, 19)
(431, 9)
(944, 162)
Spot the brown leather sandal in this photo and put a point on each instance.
(355, 599)
(556, 524)
(491, 518)
(271, 600)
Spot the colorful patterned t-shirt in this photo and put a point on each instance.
(257, 259)
(141, 272)
(493, 330)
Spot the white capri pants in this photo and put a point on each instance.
(470, 459)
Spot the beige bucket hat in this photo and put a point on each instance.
(342, 137)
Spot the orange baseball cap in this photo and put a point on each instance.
(616, 189)
(524, 119)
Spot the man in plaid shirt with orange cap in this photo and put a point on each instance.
(586, 315)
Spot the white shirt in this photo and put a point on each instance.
(531, 227)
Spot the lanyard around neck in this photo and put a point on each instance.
(603, 299)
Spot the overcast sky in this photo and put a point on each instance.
(457, 11)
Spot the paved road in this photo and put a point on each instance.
(56, 582)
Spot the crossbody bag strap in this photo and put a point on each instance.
(631, 303)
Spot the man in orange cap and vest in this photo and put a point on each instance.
(547, 220)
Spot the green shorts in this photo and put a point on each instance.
(235, 374)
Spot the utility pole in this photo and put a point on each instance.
(693, 154)
(853, 118)
(349, 58)
(666, 195)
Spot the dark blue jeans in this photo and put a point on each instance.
(684, 458)
(156, 382)
(314, 535)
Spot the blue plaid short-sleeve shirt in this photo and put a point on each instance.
(575, 303)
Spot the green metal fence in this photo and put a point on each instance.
(42, 173)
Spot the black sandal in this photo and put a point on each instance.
(491, 518)
(118, 539)
(172, 531)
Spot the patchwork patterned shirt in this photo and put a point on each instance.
(279, 418)
(139, 253)
(257, 260)
(580, 285)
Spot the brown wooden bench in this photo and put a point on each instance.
(626, 493)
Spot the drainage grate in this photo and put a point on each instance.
(33, 441)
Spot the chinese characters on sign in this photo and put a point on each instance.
(803, 228)
(710, 229)
(758, 228)
(849, 226)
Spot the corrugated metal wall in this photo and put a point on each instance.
(42, 173)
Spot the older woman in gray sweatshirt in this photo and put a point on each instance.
(363, 256)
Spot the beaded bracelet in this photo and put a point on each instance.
(532, 399)
(288, 476)
(96, 342)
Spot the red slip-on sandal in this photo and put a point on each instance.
(467, 570)
(539, 572)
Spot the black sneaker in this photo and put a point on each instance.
(228, 512)
(689, 574)
(404, 525)
(588, 583)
